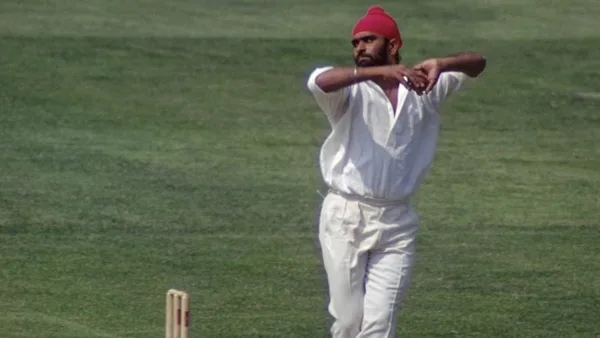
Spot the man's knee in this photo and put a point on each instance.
(345, 329)
(348, 318)
(350, 323)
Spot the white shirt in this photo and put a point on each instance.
(373, 152)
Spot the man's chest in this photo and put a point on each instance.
(385, 121)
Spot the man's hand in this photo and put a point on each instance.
(430, 68)
(470, 63)
(410, 78)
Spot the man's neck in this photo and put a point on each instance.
(387, 85)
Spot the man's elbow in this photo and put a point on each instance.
(318, 83)
(478, 66)
(322, 82)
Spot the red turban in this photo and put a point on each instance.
(378, 21)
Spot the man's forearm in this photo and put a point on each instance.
(470, 63)
(340, 77)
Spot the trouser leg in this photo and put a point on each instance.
(389, 268)
(387, 279)
(344, 265)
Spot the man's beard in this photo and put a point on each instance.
(370, 60)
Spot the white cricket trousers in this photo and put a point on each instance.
(368, 252)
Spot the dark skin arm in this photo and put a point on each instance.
(470, 63)
(340, 77)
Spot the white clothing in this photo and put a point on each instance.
(368, 252)
(372, 150)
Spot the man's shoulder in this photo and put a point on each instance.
(311, 84)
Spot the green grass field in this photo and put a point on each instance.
(150, 144)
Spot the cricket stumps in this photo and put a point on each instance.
(177, 314)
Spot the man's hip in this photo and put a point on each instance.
(368, 223)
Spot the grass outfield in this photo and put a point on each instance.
(156, 144)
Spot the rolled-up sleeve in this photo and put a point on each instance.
(333, 104)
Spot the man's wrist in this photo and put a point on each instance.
(367, 73)
(444, 63)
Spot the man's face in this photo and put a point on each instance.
(370, 50)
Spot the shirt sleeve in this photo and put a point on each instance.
(333, 104)
(448, 83)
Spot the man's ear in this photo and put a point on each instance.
(393, 47)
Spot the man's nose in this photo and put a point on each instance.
(360, 47)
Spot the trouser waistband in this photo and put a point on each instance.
(369, 200)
